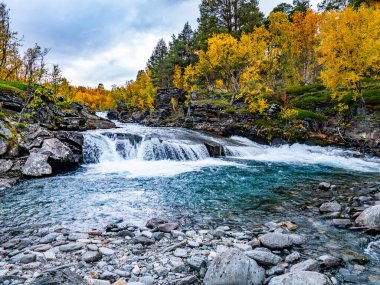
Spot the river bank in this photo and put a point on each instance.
(279, 251)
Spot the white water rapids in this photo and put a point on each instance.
(144, 151)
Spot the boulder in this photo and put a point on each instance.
(5, 166)
(370, 217)
(37, 166)
(155, 222)
(234, 268)
(307, 265)
(276, 241)
(4, 146)
(324, 186)
(264, 258)
(59, 277)
(301, 278)
(91, 256)
(56, 150)
(167, 228)
(330, 207)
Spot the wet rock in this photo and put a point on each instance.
(28, 258)
(155, 222)
(91, 256)
(49, 238)
(341, 223)
(297, 239)
(264, 258)
(330, 207)
(276, 241)
(125, 233)
(307, 265)
(328, 261)
(106, 251)
(76, 236)
(233, 267)
(301, 278)
(324, 186)
(143, 240)
(293, 257)
(59, 277)
(37, 166)
(167, 228)
(56, 150)
(370, 217)
(70, 247)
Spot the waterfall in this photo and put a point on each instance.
(111, 146)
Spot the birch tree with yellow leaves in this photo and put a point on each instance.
(350, 50)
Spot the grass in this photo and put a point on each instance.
(303, 114)
(14, 85)
(312, 100)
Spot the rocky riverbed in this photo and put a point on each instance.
(166, 252)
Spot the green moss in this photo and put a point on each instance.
(303, 114)
(300, 90)
(14, 85)
(310, 100)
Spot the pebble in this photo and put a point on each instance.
(91, 256)
(106, 251)
(70, 247)
(180, 252)
(76, 236)
(136, 270)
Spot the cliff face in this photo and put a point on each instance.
(224, 119)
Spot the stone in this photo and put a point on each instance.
(143, 240)
(37, 166)
(330, 207)
(120, 282)
(59, 277)
(70, 247)
(275, 270)
(136, 270)
(28, 258)
(294, 256)
(49, 255)
(180, 252)
(328, 261)
(341, 223)
(324, 186)
(107, 275)
(99, 282)
(76, 236)
(147, 280)
(234, 267)
(301, 278)
(276, 241)
(196, 262)
(106, 251)
(307, 265)
(264, 258)
(370, 217)
(242, 246)
(49, 238)
(167, 228)
(5, 166)
(297, 239)
(91, 256)
(4, 146)
(254, 243)
(155, 222)
(187, 280)
(56, 150)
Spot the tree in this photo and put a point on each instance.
(284, 8)
(10, 61)
(327, 5)
(56, 78)
(227, 16)
(350, 50)
(157, 65)
(301, 6)
(178, 81)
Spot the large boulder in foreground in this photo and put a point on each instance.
(37, 166)
(56, 150)
(301, 278)
(370, 217)
(234, 268)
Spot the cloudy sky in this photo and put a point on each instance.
(104, 41)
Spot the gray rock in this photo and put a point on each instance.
(28, 258)
(143, 240)
(56, 150)
(234, 267)
(330, 207)
(276, 241)
(324, 186)
(341, 223)
(370, 217)
(187, 280)
(275, 270)
(49, 238)
(293, 257)
(147, 280)
(180, 252)
(196, 262)
(76, 236)
(307, 265)
(106, 251)
(301, 278)
(4, 146)
(329, 261)
(5, 165)
(264, 258)
(70, 247)
(91, 256)
(107, 275)
(59, 277)
(155, 222)
(37, 166)
(100, 282)
(167, 228)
